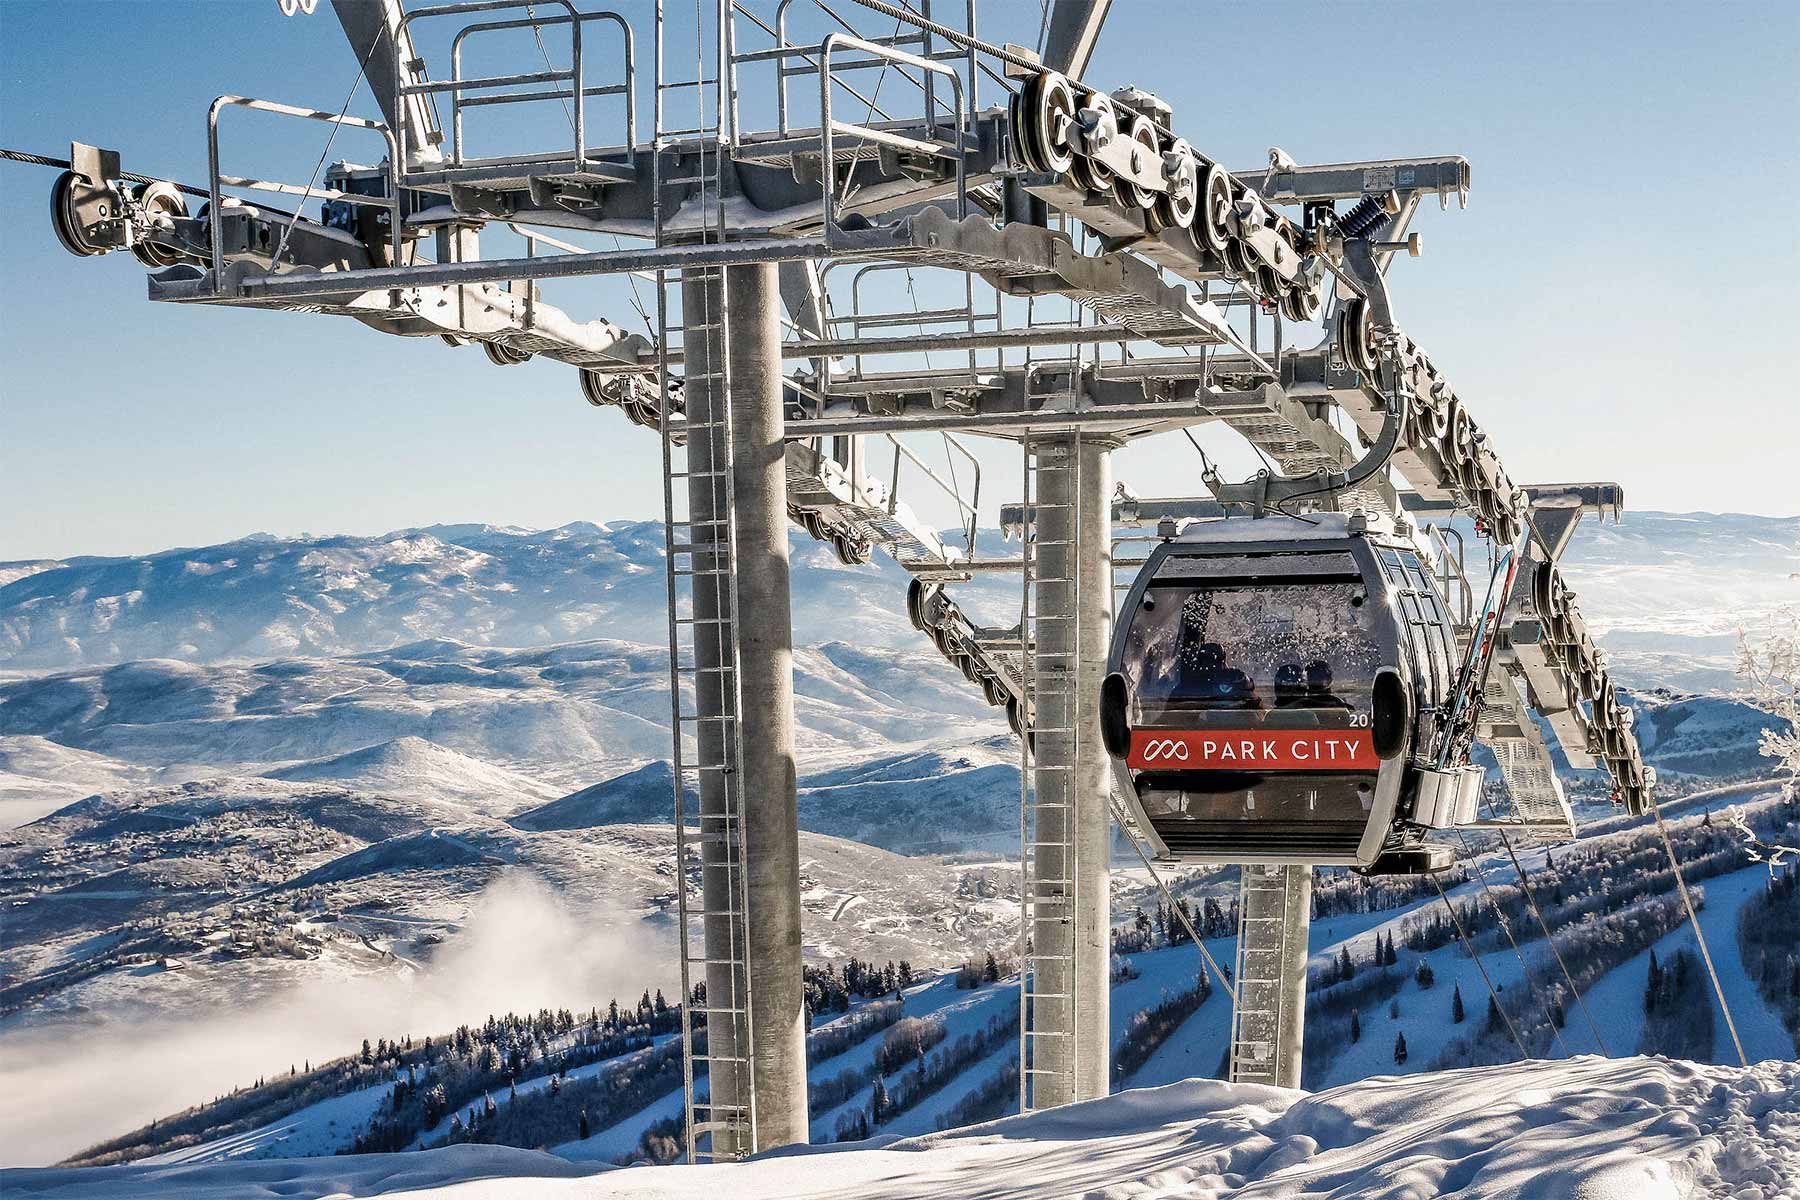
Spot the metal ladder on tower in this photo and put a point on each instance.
(1049, 658)
(700, 531)
(1257, 1014)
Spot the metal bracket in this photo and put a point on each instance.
(1267, 491)
(92, 165)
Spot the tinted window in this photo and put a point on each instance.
(1306, 651)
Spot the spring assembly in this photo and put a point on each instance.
(1366, 219)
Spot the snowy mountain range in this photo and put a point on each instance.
(264, 597)
(1667, 591)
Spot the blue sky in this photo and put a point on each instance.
(1612, 304)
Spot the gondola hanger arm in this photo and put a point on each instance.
(1265, 491)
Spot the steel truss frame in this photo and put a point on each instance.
(959, 188)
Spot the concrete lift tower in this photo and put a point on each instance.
(773, 378)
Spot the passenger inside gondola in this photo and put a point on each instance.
(1318, 686)
(1209, 681)
(1290, 686)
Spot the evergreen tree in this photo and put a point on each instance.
(878, 1101)
(1425, 975)
(990, 970)
(1456, 1006)
(1399, 1048)
(584, 1131)
(1493, 1016)
(436, 1103)
(1653, 985)
(1394, 1009)
(906, 974)
(368, 1055)
(1355, 1026)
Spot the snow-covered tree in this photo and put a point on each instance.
(1456, 1006)
(1770, 664)
(1399, 1049)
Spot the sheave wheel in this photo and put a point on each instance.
(1177, 206)
(1213, 221)
(1053, 124)
(1149, 153)
(63, 217)
(1089, 171)
(161, 200)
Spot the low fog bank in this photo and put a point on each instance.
(521, 948)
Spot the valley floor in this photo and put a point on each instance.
(1601, 1129)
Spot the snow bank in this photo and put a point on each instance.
(1594, 1128)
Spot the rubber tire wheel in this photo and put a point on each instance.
(915, 604)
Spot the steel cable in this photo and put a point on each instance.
(1469, 947)
(1506, 928)
(1531, 900)
(63, 164)
(362, 69)
(1687, 902)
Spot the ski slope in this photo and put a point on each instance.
(1194, 1049)
(1593, 1128)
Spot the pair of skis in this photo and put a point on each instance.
(1457, 737)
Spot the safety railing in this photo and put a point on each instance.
(953, 448)
(966, 318)
(568, 87)
(830, 128)
(929, 47)
(217, 181)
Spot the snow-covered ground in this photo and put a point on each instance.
(1589, 1127)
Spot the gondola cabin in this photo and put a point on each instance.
(1273, 695)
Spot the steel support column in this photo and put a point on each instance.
(744, 314)
(1074, 626)
(1269, 1024)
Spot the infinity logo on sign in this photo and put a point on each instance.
(1166, 748)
